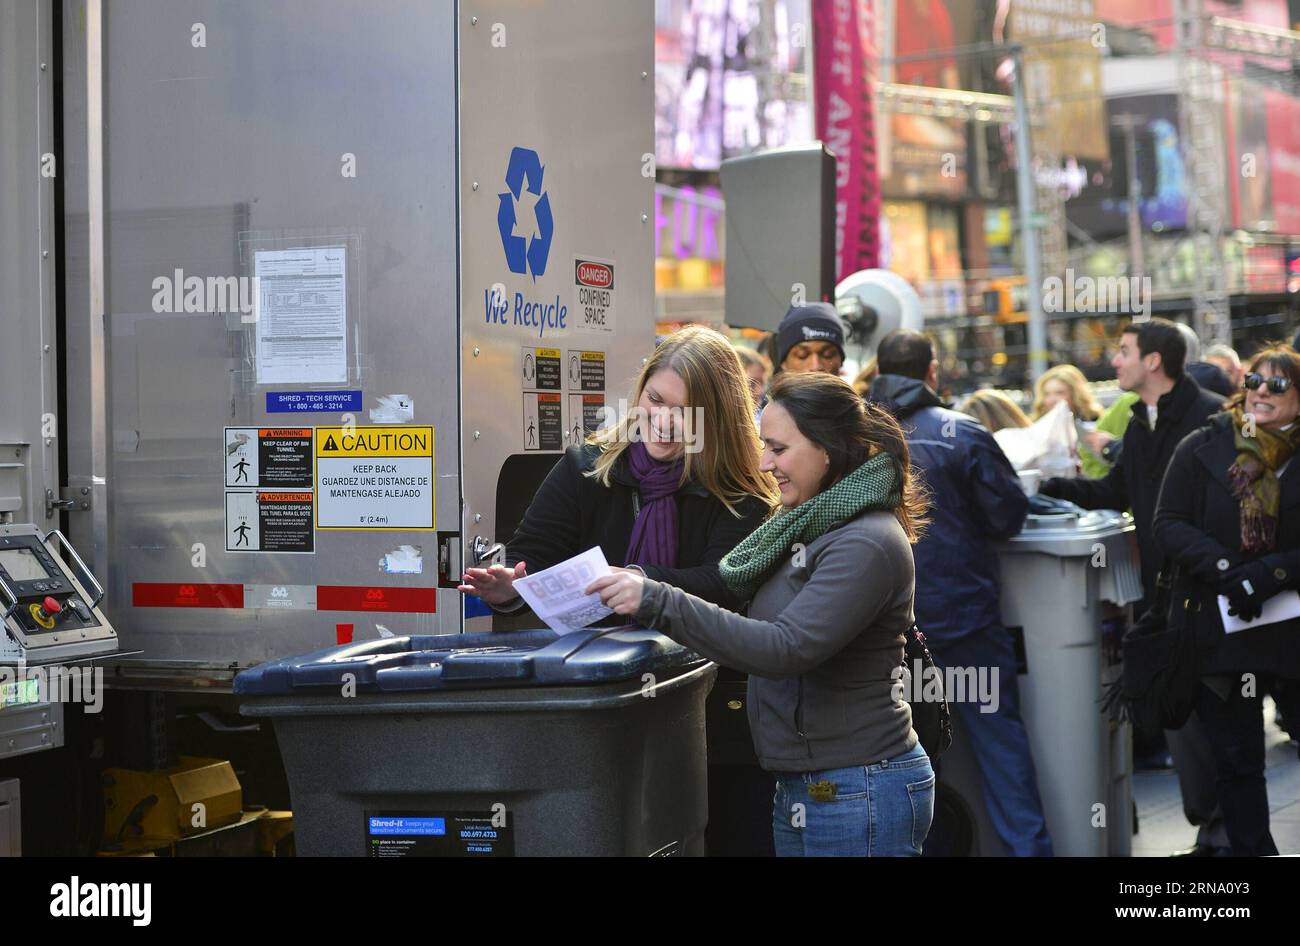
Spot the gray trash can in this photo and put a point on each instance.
(1056, 576)
(519, 743)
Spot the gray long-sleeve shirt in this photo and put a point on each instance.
(822, 640)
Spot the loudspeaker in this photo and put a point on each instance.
(780, 233)
(875, 302)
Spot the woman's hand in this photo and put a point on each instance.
(620, 591)
(495, 584)
(1247, 587)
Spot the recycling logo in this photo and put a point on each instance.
(525, 253)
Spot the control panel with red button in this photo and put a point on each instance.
(47, 606)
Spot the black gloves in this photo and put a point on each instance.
(1248, 586)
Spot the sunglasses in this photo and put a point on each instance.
(1276, 384)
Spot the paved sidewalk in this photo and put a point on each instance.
(1162, 828)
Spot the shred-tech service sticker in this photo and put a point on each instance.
(375, 478)
(593, 281)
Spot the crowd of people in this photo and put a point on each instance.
(820, 520)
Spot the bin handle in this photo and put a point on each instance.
(9, 593)
(86, 574)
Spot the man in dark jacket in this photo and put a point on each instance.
(975, 500)
(1170, 406)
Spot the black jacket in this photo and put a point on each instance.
(571, 512)
(975, 499)
(1198, 522)
(1134, 480)
(1210, 378)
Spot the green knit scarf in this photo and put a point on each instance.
(874, 485)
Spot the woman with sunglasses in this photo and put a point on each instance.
(1229, 516)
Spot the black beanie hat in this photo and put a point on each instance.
(814, 322)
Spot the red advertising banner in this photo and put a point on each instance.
(842, 47)
(1284, 159)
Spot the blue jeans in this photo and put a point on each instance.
(879, 810)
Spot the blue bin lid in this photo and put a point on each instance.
(472, 661)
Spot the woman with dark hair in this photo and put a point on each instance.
(830, 581)
(1229, 516)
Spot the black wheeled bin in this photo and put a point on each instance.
(523, 743)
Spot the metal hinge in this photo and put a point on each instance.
(72, 498)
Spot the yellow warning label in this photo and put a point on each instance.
(374, 442)
(547, 352)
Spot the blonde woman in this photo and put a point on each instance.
(667, 490)
(994, 409)
(1067, 383)
(758, 368)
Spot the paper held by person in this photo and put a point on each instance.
(556, 594)
(1281, 607)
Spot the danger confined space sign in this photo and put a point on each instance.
(374, 478)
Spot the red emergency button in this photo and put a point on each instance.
(51, 605)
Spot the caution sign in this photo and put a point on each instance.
(375, 478)
(541, 369)
(586, 370)
(543, 421)
(269, 522)
(586, 411)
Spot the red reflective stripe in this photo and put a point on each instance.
(152, 594)
(328, 597)
(363, 598)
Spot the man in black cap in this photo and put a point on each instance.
(810, 338)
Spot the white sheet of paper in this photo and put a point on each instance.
(1281, 607)
(555, 594)
(302, 315)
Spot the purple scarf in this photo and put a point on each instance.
(654, 535)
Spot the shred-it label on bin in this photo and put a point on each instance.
(439, 834)
(374, 478)
(265, 521)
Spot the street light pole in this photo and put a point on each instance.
(1128, 124)
(1029, 225)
